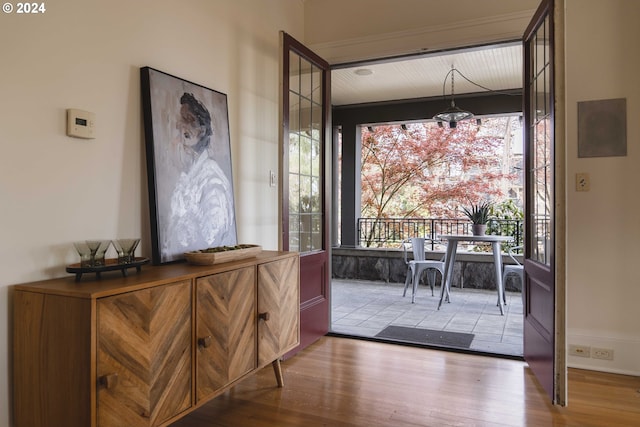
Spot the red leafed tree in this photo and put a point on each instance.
(429, 171)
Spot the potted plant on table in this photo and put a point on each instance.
(479, 216)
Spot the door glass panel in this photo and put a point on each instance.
(305, 76)
(294, 114)
(305, 134)
(316, 231)
(316, 121)
(305, 117)
(305, 155)
(316, 86)
(294, 153)
(294, 73)
(315, 157)
(541, 150)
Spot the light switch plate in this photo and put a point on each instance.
(583, 182)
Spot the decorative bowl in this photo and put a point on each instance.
(220, 254)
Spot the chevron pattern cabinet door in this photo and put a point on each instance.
(144, 356)
(278, 308)
(225, 329)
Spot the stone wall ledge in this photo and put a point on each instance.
(472, 269)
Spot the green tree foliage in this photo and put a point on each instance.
(510, 216)
(507, 209)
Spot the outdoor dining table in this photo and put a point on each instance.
(450, 259)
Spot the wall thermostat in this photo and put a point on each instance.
(81, 124)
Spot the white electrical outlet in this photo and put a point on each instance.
(579, 350)
(602, 353)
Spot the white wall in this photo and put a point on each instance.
(78, 54)
(603, 287)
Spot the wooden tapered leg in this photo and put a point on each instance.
(277, 369)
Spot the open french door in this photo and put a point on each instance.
(306, 90)
(543, 287)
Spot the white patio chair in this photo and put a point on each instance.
(418, 265)
(516, 268)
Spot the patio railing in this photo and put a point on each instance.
(390, 232)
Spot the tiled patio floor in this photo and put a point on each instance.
(364, 308)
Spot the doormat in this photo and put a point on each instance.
(426, 336)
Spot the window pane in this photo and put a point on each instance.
(294, 233)
(304, 151)
(294, 153)
(306, 85)
(294, 73)
(315, 158)
(316, 232)
(294, 113)
(305, 194)
(305, 155)
(316, 192)
(294, 193)
(316, 85)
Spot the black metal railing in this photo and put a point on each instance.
(390, 232)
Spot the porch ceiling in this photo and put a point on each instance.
(498, 67)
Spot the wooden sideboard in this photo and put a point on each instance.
(148, 348)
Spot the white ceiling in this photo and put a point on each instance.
(497, 67)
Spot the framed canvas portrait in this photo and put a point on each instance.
(188, 166)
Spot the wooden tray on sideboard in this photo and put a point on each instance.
(210, 258)
(109, 265)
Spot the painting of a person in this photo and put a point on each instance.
(200, 211)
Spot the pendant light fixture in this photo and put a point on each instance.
(453, 114)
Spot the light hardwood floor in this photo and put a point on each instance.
(339, 382)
